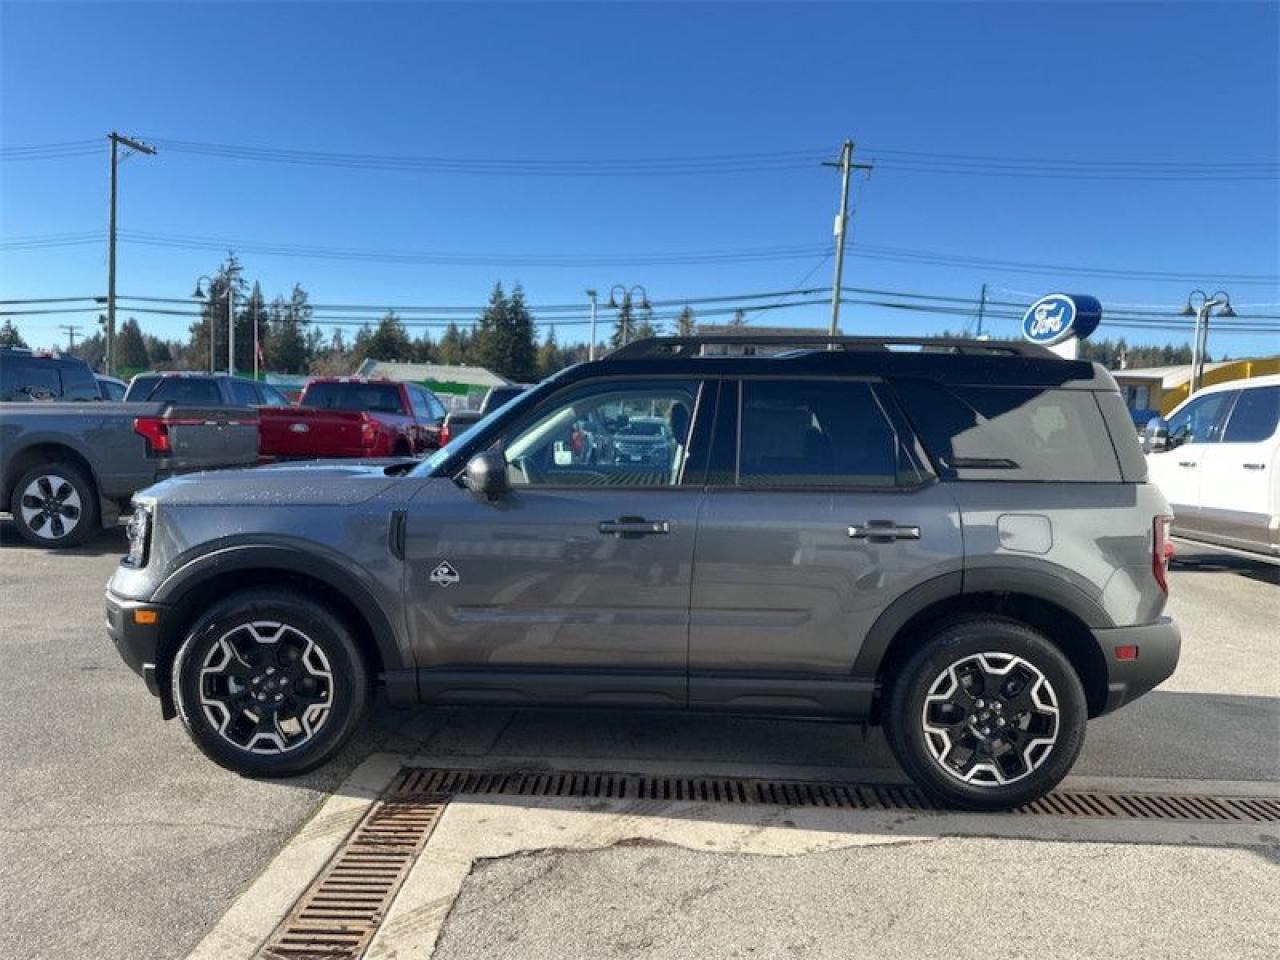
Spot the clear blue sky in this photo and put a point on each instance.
(1146, 83)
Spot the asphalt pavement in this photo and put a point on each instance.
(121, 840)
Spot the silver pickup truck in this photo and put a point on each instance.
(68, 469)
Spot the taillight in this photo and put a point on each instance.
(443, 436)
(156, 432)
(368, 433)
(1161, 550)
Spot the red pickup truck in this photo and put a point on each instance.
(353, 417)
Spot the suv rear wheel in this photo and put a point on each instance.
(54, 505)
(987, 715)
(269, 683)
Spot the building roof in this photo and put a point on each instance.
(1169, 377)
(435, 372)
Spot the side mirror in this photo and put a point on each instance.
(486, 475)
(1155, 438)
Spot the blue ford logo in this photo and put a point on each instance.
(1060, 316)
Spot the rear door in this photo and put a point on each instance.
(819, 513)
(1239, 486)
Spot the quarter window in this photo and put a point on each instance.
(1254, 417)
(634, 435)
(806, 433)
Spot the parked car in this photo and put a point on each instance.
(109, 388)
(355, 417)
(28, 375)
(69, 468)
(459, 421)
(186, 389)
(643, 440)
(1217, 459)
(960, 544)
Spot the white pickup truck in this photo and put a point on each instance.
(1217, 461)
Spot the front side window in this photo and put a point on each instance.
(1197, 422)
(806, 433)
(1254, 417)
(628, 435)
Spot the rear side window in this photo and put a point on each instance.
(243, 394)
(78, 382)
(1011, 433)
(1254, 417)
(28, 378)
(814, 433)
(184, 392)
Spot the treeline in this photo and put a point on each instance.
(1117, 354)
(504, 338)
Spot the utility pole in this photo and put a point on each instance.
(847, 166)
(71, 329)
(591, 346)
(139, 147)
(982, 309)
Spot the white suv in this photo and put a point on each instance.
(1217, 460)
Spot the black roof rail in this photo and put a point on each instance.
(690, 346)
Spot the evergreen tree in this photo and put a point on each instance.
(131, 350)
(645, 325)
(504, 338)
(623, 325)
(685, 324)
(92, 350)
(550, 357)
(387, 341)
(424, 351)
(454, 347)
(9, 335)
(739, 318)
(160, 352)
(290, 341)
(213, 315)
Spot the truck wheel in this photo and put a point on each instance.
(54, 505)
(269, 683)
(987, 715)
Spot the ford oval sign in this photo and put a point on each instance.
(1059, 317)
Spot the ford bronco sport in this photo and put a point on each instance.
(954, 539)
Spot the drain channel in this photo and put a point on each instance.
(339, 913)
(817, 793)
(337, 916)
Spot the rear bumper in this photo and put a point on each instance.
(1158, 647)
(137, 643)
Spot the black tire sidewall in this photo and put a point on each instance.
(950, 643)
(351, 691)
(89, 510)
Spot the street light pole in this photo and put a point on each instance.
(1200, 305)
(625, 305)
(231, 330)
(140, 147)
(591, 346)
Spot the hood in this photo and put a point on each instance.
(303, 484)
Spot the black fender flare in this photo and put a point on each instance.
(393, 648)
(1039, 584)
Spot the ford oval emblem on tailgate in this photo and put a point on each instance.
(299, 427)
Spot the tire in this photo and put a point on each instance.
(270, 683)
(55, 505)
(986, 715)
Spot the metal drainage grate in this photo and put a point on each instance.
(339, 913)
(812, 793)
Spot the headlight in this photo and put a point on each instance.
(139, 533)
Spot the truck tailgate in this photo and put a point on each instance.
(201, 437)
(310, 432)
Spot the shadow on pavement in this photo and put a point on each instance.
(1203, 560)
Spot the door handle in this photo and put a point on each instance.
(877, 530)
(1255, 466)
(631, 527)
(1186, 463)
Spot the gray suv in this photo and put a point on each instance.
(954, 539)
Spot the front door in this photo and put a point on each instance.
(1177, 471)
(823, 520)
(574, 586)
(1238, 473)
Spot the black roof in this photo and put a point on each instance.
(978, 362)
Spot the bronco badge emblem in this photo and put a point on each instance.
(444, 574)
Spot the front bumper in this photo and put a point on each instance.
(1158, 645)
(135, 628)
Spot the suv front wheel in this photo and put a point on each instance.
(987, 714)
(269, 683)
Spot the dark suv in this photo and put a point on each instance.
(27, 375)
(955, 540)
